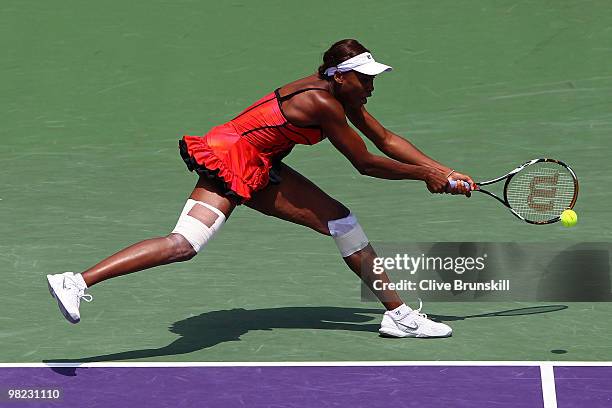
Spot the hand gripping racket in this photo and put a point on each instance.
(537, 191)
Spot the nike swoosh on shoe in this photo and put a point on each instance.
(402, 325)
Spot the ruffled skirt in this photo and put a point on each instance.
(223, 156)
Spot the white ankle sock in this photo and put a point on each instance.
(400, 312)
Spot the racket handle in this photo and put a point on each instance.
(452, 184)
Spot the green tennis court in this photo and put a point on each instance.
(96, 94)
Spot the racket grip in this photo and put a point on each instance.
(452, 184)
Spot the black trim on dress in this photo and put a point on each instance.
(280, 99)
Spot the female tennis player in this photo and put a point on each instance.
(240, 163)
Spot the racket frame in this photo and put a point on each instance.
(512, 173)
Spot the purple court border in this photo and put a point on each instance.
(583, 386)
(456, 384)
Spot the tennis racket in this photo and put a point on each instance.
(537, 191)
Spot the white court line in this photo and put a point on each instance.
(549, 392)
(153, 364)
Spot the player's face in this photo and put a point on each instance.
(357, 87)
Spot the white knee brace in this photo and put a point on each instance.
(348, 235)
(198, 223)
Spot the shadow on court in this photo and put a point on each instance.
(212, 328)
(510, 312)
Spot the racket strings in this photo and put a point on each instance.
(541, 191)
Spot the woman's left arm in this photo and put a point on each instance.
(395, 146)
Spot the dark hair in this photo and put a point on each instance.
(340, 52)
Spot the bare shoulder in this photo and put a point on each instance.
(327, 107)
(310, 101)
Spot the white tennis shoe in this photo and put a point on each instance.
(68, 290)
(414, 324)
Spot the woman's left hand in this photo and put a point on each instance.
(461, 188)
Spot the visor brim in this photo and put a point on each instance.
(373, 68)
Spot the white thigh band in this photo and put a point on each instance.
(348, 235)
(198, 223)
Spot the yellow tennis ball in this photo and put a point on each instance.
(569, 218)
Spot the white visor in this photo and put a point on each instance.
(363, 63)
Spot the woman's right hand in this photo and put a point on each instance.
(436, 180)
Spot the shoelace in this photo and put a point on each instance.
(418, 311)
(80, 292)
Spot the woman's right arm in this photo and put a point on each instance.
(332, 120)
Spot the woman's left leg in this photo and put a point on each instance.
(298, 200)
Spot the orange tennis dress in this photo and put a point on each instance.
(244, 154)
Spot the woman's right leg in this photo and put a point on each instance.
(164, 250)
(206, 210)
